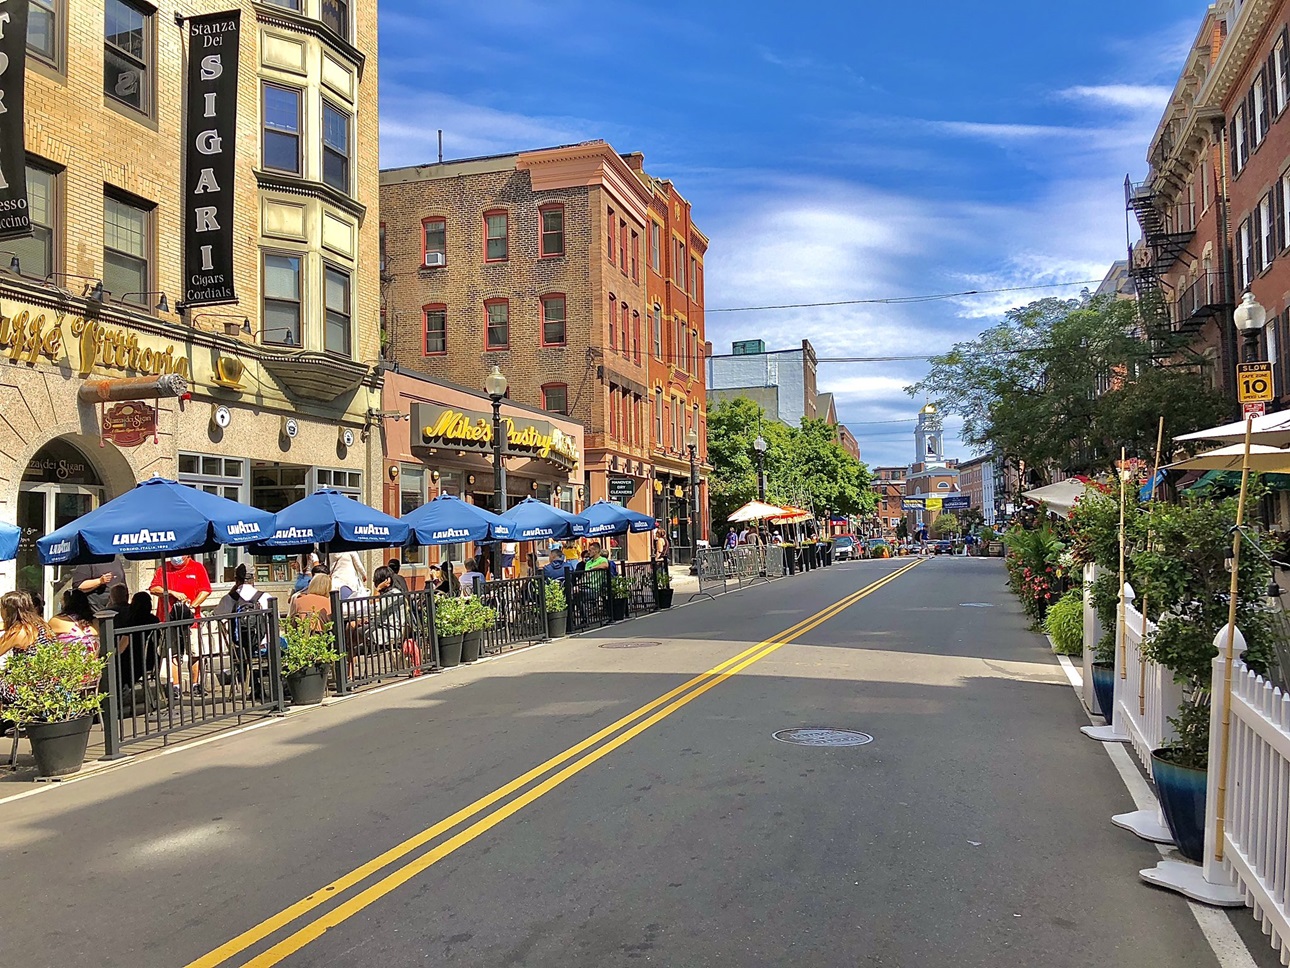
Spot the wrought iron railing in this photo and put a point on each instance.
(520, 604)
(383, 637)
(588, 595)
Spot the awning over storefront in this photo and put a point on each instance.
(315, 376)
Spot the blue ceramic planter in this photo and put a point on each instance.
(1104, 688)
(1181, 791)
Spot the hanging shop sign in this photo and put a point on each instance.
(129, 424)
(30, 334)
(15, 217)
(959, 503)
(622, 488)
(213, 43)
(435, 426)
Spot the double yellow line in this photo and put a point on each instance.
(638, 721)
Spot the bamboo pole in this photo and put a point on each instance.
(1229, 654)
(1122, 473)
(1151, 500)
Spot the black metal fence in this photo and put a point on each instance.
(383, 636)
(163, 677)
(520, 604)
(642, 580)
(589, 603)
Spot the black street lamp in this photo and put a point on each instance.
(495, 385)
(1250, 318)
(692, 445)
(760, 445)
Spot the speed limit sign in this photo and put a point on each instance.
(1253, 382)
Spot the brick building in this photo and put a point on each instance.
(676, 340)
(977, 482)
(533, 262)
(889, 486)
(282, 377)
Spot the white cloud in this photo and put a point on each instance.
(1136, 97)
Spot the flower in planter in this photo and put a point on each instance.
(54, 683)
(309, 643)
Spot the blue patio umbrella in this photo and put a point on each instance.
(155, 519)
(606, 518)
(533, 520)
(9, 535)
(450, 520)
(328, 517)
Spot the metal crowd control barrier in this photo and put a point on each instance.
(710, 566)
(588, 595)
(383, 637)
(163, 677)
(520, 604)
(775, 562)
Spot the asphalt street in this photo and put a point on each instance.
(600, 801)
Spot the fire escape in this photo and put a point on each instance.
(1161, 246)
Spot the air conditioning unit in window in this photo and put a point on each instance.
(434, 259)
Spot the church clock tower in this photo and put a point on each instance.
(929, 437)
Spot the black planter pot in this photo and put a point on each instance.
(617, 609)
(557, 624)
(1104, 687)
(1181, 790)
(470, 643)
(308, 685)
(59, 748)
(449, 650)
(664, 597)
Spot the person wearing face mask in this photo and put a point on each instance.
(181, 585)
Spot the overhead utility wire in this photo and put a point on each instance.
(897, 300)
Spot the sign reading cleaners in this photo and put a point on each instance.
(15, 220)
(213, 42)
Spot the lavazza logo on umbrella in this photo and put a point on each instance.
(62, 548)
(450, 533)
(303, 534)
(244, 527)
(372, 530)
(142, 537)
(542, 532)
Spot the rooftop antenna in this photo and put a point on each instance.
(441, 146)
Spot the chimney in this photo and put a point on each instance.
(635, 161)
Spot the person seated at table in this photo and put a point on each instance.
(595, 559)
(383, 622)
(23, 628)
(447, 583)
(74, 625)
(471, 577)
(555, 569)
(532, 565)
(137, 645)
(400, 582)
(314, 602)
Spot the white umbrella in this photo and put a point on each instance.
(1263, 460)
(1060, 496)
(1270, 429)
(756, 511)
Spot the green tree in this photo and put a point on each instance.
(944, 525)
(1066, 384)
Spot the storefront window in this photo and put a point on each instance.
(349, 483)
(227, 478)
(566, 497)
(412, 494)
(454, 483)
(274, 486)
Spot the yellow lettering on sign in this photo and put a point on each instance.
(453, 427)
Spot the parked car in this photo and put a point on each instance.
(875, 548)
(845, 547)
(942, 547)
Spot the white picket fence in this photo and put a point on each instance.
(1145, 693)
(1256, 830)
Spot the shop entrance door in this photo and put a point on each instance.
(58, 487)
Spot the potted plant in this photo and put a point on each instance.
(57, 697)
(1065, 623)
(476, 616)
(450, 627)
(1185, 579)
(663, 588)
(310, 649)
(557, 610)
(620, 590)
(1105, 603)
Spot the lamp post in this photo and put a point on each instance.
(692, 445)
(495, 385)
(1250, 318)
(760, 445)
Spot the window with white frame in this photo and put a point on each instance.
(656, 325)
(126, 248)
(412, 494)
(280, 310)
(1280, 83)
(349, 483)
(35, 253)
(1267, 232)
(280, 133)
(1240, 136)
(1259, 98)
(1244, 254)
(336, 147)
(1283, 216)
(127, 52)
(658, 419)
(226, 478)
(337, 337)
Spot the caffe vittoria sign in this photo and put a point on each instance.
(213, 41)
(15, 220)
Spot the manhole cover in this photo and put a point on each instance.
(975, 605)
(814, 736)
(631, 644)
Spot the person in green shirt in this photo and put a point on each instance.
(597, 561)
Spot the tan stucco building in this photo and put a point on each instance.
(282, 384)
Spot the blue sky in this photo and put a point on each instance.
(832, 150)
